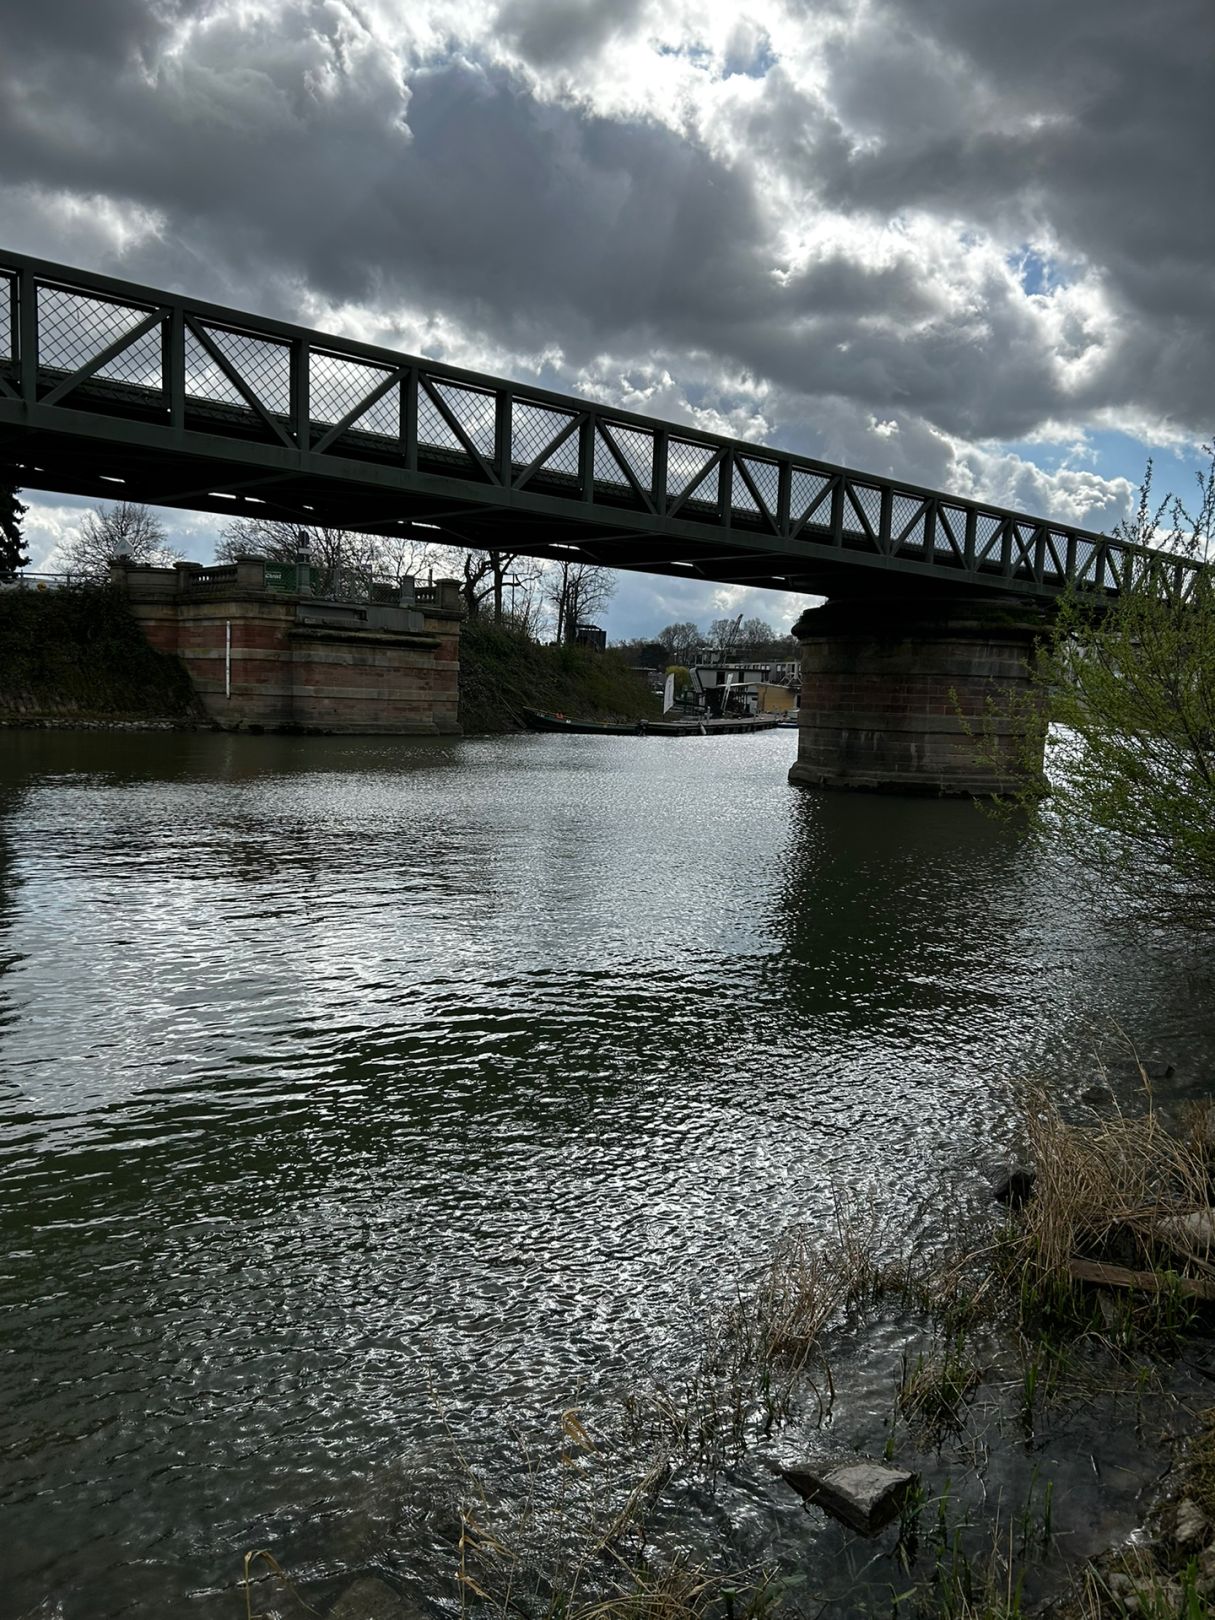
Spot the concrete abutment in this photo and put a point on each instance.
(278, 660)
(916, 697)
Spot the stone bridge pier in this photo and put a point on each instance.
(914, 696)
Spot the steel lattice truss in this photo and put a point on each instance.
(118, 391)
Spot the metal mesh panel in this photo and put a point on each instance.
(684, 462)
(638, 452)
(808, 495)
(607, 470)
(8, 338)
(204, 379)
(265, 368)
(987, 542)
(474, 410)
(1025, 545)
(337, 386)
(765, 475)
(139, 363)
(432, 428)
(906, 513)
(73, 329)
(1056, 553)
(1086, 553)
(741, 498)
(863, 502)
(532, 428)
(951, 520)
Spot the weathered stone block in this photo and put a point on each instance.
(864, 1495)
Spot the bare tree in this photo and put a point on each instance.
(724, 636)
(487, 576)
(342, 560)
(478, 581)
(576, 590)
(681, 641)
(108, 532)
(526, 612)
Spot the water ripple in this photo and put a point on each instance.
(347, 1084)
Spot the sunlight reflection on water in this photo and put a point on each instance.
(340, 1078)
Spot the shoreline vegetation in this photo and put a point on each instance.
(78, 660)
(1007, 1341)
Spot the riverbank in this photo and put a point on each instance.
(502, 674)
(1018, 1378)
(79, 659)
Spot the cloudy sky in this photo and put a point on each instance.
(966, 242)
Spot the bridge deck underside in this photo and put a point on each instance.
(376, 497)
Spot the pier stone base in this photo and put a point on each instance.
(907, 697)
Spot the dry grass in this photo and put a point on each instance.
(1104, 1196)
(1137, 1583)
(935, 1388)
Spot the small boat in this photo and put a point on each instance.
(540, 720)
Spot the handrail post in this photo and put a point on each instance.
(27, 334)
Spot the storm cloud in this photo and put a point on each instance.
(914, 238)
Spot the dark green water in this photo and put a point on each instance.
(344, 1082)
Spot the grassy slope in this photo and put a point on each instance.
(66, 654)
(502, 674)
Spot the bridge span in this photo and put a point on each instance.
(113, 390)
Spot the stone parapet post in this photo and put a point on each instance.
(250, 573)
(918, 697)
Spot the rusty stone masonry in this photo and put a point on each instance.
(280, 660)
(907, 697)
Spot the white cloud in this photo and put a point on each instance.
(905, 239)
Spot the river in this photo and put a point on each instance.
(363, 1100)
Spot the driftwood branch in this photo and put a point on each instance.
(1152, 1282)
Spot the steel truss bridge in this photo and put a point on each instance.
(117, 391)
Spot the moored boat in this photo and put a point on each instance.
(541, 720)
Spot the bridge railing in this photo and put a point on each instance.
(72, 341)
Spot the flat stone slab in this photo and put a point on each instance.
(372, 1599)
(863, 1495)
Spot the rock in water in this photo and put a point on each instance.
(371, 1599)
(1141, 1068)
(864, 1495)
(1095, 1096)
(1191, 1524)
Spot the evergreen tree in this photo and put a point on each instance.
(12, 552)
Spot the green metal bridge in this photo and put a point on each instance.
(117, 391)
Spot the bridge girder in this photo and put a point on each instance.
(112, 390)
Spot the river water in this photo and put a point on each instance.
(362, 1101)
